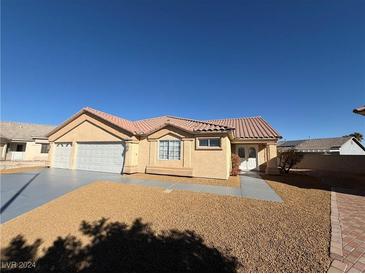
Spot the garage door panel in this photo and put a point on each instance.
(106, 157)
(62, 155)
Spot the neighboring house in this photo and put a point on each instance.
(339, 145)
(97, 141)
(360, 110)
(22, 141)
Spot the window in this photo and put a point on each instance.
(210, 142)
(169, 150)
(252, 153)
(241, 152)
(45, 148)
(20, 147)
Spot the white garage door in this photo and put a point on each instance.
(104, 157)
(62, 155)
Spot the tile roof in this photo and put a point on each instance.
(244, 127)
(323, 144)
(249, 128)
(120, 122)
(147, 126)
(23, 131)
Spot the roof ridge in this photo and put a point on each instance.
(93, 109)
(195, 120)
(236, 118)
(26, 123)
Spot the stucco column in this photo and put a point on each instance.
(3, 153)
(50, 153)
(130, 156)
(272, 165)
(153, 152)
(187, 148)
(73, 155)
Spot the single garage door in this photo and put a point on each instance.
(104, 157)
(62, 155)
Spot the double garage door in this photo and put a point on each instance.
(103, 157)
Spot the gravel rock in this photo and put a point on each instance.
(292, 236)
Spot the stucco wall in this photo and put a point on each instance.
(2, 151)
(86, 128)
(33, 152)
(212, 163)
(351, 148)
(337, 163)
(193, 162)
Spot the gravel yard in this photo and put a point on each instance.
(264, 236)
(232, 181)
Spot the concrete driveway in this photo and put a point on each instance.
(22, 192)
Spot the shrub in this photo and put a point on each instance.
(236, 161)
(287, 159)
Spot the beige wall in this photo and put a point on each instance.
(336, 163)
(2, 151)
(33, 152)
(212, 163)
(193, 162)
(87, 129)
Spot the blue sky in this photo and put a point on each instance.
(299, 64)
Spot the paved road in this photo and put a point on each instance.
(22, 192)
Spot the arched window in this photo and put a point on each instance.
(241, 152)
(252, 152)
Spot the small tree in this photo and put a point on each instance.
(236, 161)
(287, 159)
(357, 135)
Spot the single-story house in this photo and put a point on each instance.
(338, 145)
(23, 141)
(98, 141)
(360, 110)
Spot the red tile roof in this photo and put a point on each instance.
(249, 128)
(120, 122)
(241, 127)
(146, 126)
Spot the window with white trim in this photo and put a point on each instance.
(169, 149)
(210, 142)
(44, 148)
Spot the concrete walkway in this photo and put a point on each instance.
(21, 192)
(347, 230)
(254, 187)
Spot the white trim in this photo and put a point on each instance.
(198, 146)
(168, 140)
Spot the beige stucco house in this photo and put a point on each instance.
(97, 141)
(24, 141)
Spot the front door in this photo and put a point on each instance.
(248, 156)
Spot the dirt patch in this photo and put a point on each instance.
(232, 181)
(20, 170)
(264, 236)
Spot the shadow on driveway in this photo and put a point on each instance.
(8, 203)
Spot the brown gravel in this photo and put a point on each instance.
(20, 170)
(232, 181)
(265, 237)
